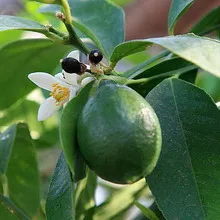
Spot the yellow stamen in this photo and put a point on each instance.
(60, 94)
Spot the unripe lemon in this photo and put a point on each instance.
(119, 134)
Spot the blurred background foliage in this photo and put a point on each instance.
(45, 134)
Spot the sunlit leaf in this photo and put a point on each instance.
(8, 22)
(202, 51)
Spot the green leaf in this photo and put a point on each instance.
(9, 211)
(48, 1)
(8, 36)
(188, 170)
(89, 19)
(85, 197)
(177, 9)
(210, 21)
(6, 144)
(26, 110)
(202, 51)
(22, 172)
(8, 22)
(68, 132)
(141, 67)
(21, 58)
(210, 83)
(59, 202)
(146, 211)
(122, 2)
(161, 71)
(119, 201)
(92, 13)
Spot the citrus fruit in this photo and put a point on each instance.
(119, 134)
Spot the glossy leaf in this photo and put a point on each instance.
(161, 71)
(8, 22)
(177, 9)
(22, 173)
(119, 201)
(146, 211)
(188, 171)
(60, 202)
(211, 21)
(68, 132)
(89, 19)
(92, 14)
(145, 65)
(85, 197)
(6, 144)
(9, 211)
(202, 51)
(21, 58)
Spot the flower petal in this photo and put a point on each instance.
(74, 54)
(68, 78)
(47, 109)
(73, 92)
(43, 80)
(87, 80)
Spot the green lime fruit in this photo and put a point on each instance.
(119, 134)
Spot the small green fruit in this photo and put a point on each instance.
(119, 134)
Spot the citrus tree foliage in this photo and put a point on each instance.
(155, 126)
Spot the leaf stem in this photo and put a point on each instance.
(176, 73)
(67, 12)
(72, 39)
(75, 40)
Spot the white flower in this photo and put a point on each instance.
(63, 87)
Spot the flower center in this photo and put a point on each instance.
(60, 94)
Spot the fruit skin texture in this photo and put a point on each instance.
(119, 134)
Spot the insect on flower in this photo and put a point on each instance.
(63, 87)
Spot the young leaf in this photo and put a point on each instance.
(22, 173)
(68, 132)
(6, 144)
(146, 211)
(203, 52)
(211, 21)
(8, 22)
(85, 197)
(60, 202)
(9, 211)
(21, 58)
(177, 9)
(188, 169)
